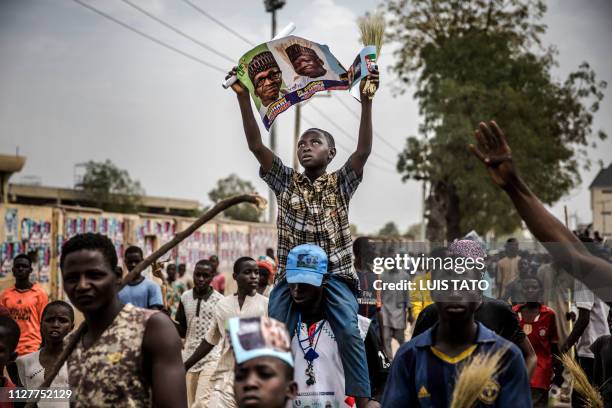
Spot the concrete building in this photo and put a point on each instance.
(601, 202)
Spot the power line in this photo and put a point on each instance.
(179, 32)
(347, 134)
(205, 63)
(149, 37)
(355, 114)
(218, 22)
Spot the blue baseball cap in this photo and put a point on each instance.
(306, 263)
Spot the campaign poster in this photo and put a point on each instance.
(287, 71)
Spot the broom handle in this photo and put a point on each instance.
(203, 219)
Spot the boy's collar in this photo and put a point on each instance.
(484, 335)
(303, 179)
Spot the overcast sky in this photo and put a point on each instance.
(75, 86)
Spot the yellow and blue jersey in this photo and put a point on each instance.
(423, 376)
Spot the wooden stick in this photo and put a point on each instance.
(144, 264)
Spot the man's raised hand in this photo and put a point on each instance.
(494, 152)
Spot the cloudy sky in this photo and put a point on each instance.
(75, 86)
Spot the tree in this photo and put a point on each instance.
(231, 186)
(414, 231)
(110, 187)
(473, 61)
(389, 230)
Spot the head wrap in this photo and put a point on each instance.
(264, 263)
(467, 249)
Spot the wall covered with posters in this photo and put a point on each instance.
(27, 230)
(233, 243)
(262, 238)
(40, 231)
(201, 244)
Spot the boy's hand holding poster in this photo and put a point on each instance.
(284, 72)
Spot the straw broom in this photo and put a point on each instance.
(144, 264)
(473, 378)
(372, 30)
(589, 393)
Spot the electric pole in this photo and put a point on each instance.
(296, 128)
(296, 135)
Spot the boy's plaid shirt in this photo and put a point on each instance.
(315, 213)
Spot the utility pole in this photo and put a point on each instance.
(296, 135)
(271, 7)
(296, 129)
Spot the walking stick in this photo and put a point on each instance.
(145, 263)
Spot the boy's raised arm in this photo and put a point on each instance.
(364, 144)
(264, 155)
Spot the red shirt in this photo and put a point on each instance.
(26, 307)
(218, 283)
(542, 333)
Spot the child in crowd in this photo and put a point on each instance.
(183, 277)
(9, 337)
(25, 301)
(141, 291)
(127, 356)
(424, 370)
(195, 315)
(57, 323)
(245, 303)
(538, 323)
(263, 377)
(495, 314)
(218, 282)
(266, 269)
(313, 208)
(174, 290)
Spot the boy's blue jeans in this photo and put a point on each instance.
(341, 312)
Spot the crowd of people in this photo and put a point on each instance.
(307, 327)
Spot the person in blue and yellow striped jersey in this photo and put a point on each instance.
(424, 370)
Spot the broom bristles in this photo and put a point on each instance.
(474, 377)
(372, 29)
(582, 385)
